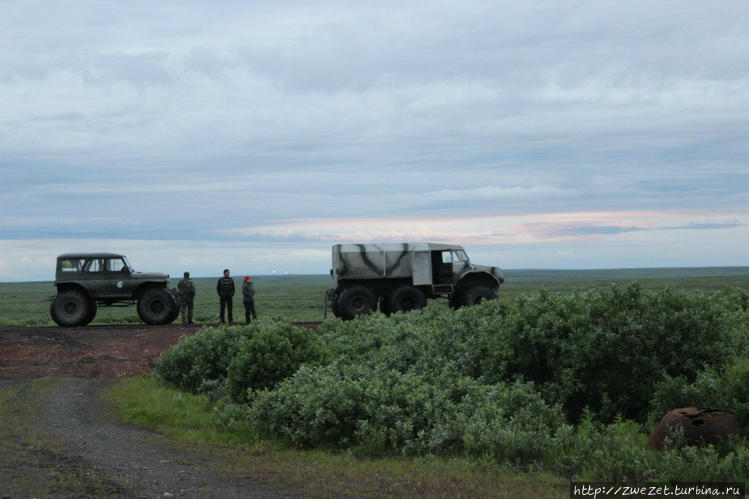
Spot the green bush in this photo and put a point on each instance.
(615, 452)
(271, 355)
(606, 350)
(726, 389)
(351, 406)
(513, 424)
(200, 362)
(381, 410)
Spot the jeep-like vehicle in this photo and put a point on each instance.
(402, 276)
(85, 280)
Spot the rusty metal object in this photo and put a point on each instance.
(701, 426)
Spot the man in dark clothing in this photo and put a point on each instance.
(186, 292)
(248, 298)
(225, 290)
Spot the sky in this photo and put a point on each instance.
(196, 136)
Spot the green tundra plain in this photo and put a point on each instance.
(300, 297)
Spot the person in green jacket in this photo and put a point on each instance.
(186, 292)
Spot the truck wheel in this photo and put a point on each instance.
(476, 294)
(92, 313)
(71, 308)
(175, 307)
(356, 301)
(406, 298)
(155, 306)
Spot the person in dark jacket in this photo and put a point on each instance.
(186, 292)
(248, 298)
(225, 290)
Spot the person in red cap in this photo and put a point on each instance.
(248, 298)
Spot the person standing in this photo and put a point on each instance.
(186, 292)
(225, 290)
(248, 298)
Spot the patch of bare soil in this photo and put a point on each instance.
(86, 352)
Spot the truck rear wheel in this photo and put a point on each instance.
(176, 307)
(476, 294)
(71, 308)
(355, 301)
(406, 298)
(156, 306)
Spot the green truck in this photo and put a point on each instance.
(87, 280)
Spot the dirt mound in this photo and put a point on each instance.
(87, 352)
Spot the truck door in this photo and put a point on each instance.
(93, 275)
(422, 268)
(118, 277)
(442, 267)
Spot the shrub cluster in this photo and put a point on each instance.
(236, 360)
(606, 350)
(565, 382)
(377, 410)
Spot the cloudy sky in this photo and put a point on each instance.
(197, 135)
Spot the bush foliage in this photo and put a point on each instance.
(569, 383)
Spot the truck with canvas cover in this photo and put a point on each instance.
(401, 277)
(87, 280)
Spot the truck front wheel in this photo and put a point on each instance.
(71, 308)
(156, 306)
(355, 301)
(476, 294)
(406, 298)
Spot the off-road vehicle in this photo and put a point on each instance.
(85, 280)
(401, 277)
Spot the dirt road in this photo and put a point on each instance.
(58, 439)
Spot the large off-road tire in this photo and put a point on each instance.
(175, 307)
(92, 312)
(71, 308)
(156, 306)
(355, 301)
(406, 298)
(476, 294)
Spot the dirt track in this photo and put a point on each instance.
(56, 437)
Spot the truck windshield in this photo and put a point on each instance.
(127, 264)
(460, 256)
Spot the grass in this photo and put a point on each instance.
(300, 297)
(188, 419)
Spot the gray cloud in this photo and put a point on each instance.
(178, 120)
(728, 224)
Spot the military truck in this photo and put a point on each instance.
(86, 280)
(400, 277)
